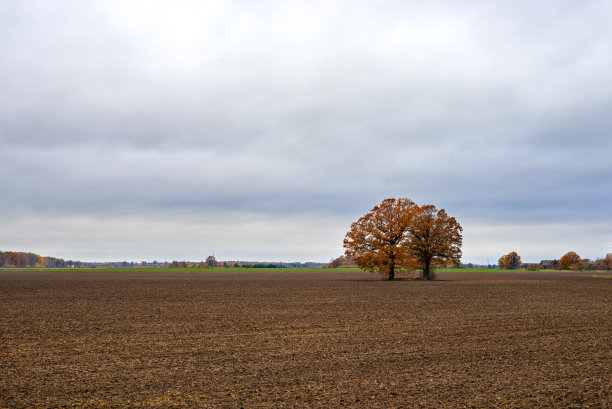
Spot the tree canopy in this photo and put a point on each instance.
(211, 261)
(398, 235)
(571, 260)
(378, 240)
(510, 261)
(434, 238)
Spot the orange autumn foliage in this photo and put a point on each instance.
(378, 241)
(571, 260)
(434, 238)
(398, 235)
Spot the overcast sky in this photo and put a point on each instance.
(142, 130)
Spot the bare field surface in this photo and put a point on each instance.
(210, 339)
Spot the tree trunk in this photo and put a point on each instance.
(427, 270)
(391, 272)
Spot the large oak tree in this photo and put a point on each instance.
(434, 238)
(399, 235)
(378, 241)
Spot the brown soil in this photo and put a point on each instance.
(304, 339)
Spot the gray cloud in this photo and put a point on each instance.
(498, 112)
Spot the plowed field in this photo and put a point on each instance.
(210, 339)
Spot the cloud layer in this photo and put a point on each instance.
(304, 110)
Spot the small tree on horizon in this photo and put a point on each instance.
(571, 261)
(510, 261)
(211, 261)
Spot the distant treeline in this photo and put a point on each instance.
(569, 261)
(21, 259)
(572, 261)
(341, 262)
